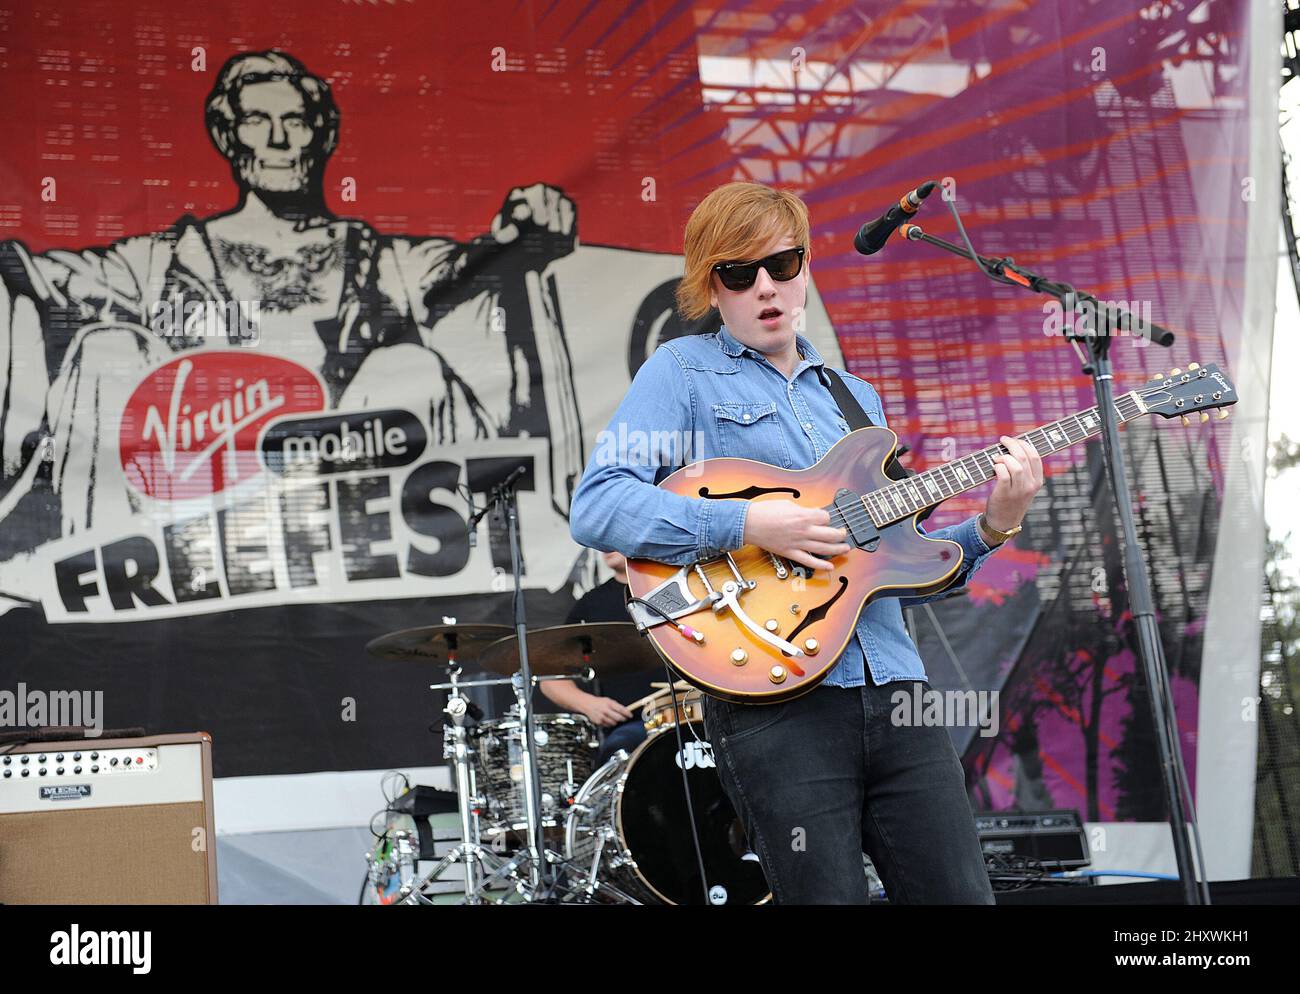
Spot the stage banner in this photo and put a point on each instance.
(285, 290)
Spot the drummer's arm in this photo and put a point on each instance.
(604, 711)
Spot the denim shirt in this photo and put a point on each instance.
(707, 396)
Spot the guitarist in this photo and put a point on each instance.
(822, 778)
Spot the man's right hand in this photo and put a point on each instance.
(800, 534)
(606, 712)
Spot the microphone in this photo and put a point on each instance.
(496, 493)
(872, 236)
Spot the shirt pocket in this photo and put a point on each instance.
(751, 431)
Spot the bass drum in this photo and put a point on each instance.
(629, 830)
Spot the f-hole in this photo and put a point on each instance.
(749, 493)
(819, 612)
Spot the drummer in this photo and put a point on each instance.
(622, 729)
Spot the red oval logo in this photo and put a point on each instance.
(190, 428)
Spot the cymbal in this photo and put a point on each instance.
(437, 643)
(609, 647)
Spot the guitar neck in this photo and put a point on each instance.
(906, 497)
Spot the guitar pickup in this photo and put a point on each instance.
(862, 529)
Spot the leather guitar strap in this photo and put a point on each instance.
(857, 418)
(846, 402)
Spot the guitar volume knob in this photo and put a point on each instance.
(810, 646)
(777, 674)
(739, 657)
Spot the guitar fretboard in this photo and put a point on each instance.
(907, 497)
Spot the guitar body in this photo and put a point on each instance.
(735, 663)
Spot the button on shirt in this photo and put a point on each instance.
(709, 395)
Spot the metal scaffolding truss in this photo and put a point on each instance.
(804, 88)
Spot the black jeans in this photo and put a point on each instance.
(821, 779)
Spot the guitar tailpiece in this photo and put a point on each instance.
(683, 630)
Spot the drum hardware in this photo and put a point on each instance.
(619, 828)
(489, 812)
(659, 710)
(541, 881)
(519, 870)
(523, 778)
(502, 499)
(456, 747)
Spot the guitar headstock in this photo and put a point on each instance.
(1184, 392)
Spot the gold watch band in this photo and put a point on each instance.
(998, 536)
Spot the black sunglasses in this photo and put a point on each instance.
(781, 266)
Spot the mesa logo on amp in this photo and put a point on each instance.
(191, 427)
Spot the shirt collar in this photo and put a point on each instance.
(729, 344)
(733, 347)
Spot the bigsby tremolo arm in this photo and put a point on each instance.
(730, 599)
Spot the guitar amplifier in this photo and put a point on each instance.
(108, 821)
(1054, 839)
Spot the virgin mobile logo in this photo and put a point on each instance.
(190, 428)
(343, 443)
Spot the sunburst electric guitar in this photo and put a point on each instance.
(754, 627)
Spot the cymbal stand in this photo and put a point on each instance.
(456, 747)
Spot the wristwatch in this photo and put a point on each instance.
(997, 536)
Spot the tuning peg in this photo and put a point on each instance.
(1204, 417)
(1191, 366)
(1175, 372)
(1187, 422)
(1223, 414)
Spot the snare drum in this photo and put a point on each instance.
(658, 712)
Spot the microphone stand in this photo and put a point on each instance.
(1102, 322)
(540, 875)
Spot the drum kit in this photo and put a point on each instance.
(544, 824)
